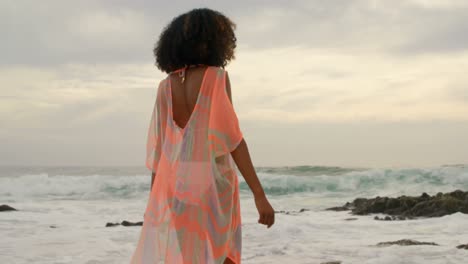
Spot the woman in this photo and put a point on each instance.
(194, 138)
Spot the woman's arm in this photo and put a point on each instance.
(241, 156)
(243, 161)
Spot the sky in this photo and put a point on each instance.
(352, 83)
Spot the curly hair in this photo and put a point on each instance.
(200, 36)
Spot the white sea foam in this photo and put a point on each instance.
(80, 204)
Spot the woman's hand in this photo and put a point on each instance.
(265, 211)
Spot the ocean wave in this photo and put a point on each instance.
(369, 182)
(59, 187)
(307, 170)
(301, 180)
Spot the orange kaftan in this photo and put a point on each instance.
(193, 210)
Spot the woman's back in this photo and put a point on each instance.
(184, 94)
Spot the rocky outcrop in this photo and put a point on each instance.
(407, 207)
(5, 207)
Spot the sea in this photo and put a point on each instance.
(63, 211)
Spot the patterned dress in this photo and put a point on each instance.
(193, 211)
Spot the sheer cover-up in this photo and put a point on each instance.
(193, 210)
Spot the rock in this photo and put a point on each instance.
(408, 207)
(463, 246)
(338, 208)
(292, 212)
(126, 223)
(6, 207)
(52, 226)
(390, 218)
(406, 242)
(331, 262)
(350, 219)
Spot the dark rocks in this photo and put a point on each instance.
(406, 242)
(339, 208)
(351, 219)
(331, 262)
(346, 207)
(292, 212)
(465, 246)
(392, 218)
(5, 207)
(410, 206)
(125, 223)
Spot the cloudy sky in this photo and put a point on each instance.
(363, 83)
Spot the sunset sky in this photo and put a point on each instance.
(357, 83)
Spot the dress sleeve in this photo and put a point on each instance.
(226, 121)
(155, 135)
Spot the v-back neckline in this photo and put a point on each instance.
(171, 110)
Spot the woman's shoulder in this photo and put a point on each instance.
(219, 71)
(218, 68)
(162, 85)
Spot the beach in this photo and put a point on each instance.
(62, 214)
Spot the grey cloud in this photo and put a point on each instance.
(445, 33)
(58, 32)
(49, 33)
(395, 27)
